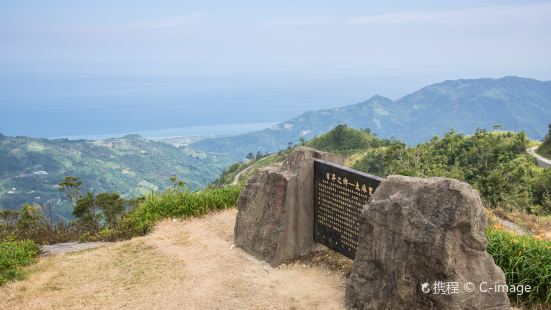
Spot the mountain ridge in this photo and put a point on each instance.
(516, 103)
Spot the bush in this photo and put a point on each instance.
(30, 224)
(525, 261)
(13, 256)
(178, 204)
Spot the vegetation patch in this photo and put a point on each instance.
(495, 163)
(525, 261)
(109, 217)
(13, 256)
(179, 203)
(545, 148)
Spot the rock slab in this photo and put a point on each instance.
(276, 208)
(421, 231)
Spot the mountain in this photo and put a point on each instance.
(31, 168)
(514, 103)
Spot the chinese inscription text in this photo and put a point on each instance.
(340, 194)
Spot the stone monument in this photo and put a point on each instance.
(422, 246)
(416, 244)
(276, 208)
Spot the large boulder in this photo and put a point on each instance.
(418, 238)
(276, 208)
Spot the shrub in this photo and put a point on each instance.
(178, 204)
(30, 224)
(13, 256)
(525, 261)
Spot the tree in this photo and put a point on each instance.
(250, 156)
(112, 207)
(86, 213)
(302, 140)
(71, 188)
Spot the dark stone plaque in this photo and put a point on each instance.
(339, 196)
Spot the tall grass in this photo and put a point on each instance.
(525, 261)
(13, 256)
(180, 204)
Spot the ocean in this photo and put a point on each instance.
(193, 131)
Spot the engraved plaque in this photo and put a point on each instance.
(339, 196)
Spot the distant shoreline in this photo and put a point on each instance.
(192, 132)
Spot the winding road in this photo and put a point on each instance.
(542, 161)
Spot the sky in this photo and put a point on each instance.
(94, 67)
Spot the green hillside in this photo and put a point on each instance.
(516, 104)
(345, 140)
(31, 168)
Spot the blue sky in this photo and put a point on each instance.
(275, 59)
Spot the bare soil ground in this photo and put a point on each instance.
(181, 265)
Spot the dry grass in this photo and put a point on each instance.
(116, 276)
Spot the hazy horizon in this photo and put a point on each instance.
(98, 68)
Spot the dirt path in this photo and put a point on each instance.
(240, 173)
(512, 226)
(66, 247)
(181, 265)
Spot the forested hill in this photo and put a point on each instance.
(30, 168)
(517, 104)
